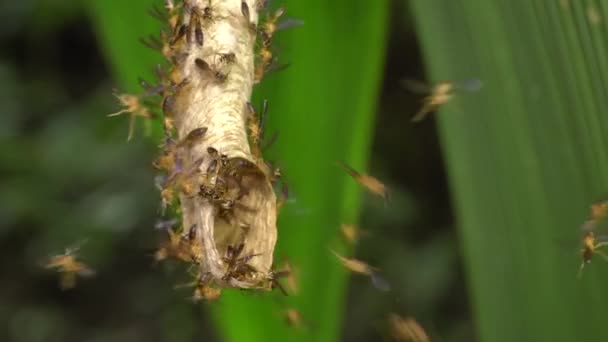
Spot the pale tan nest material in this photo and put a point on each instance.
(220, 105)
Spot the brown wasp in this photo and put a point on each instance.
(357, 266)
(255, 125)
(406, 329)
(181, 246)
(68, 265)
(439, 94)
(591, 244)
(236, 266)
(202, 288)
(351, 233)
(370, 183)
(132, 105)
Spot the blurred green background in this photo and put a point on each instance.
(491, 257)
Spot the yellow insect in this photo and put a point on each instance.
(286, 272)
(293, 318)
(438, 94)
(370, 183)
(360, 267)
(132, 105)
(590, 247)
(351, 233)
(183, 247)
(202, 288)
(406, 329)
(255, 126)
(69, 267)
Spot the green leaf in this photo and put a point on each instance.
(322, 106)
(526, 157)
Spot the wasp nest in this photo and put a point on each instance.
(214, 174)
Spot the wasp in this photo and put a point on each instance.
(293, 318)
(267, 62)
(227, 58)
(68, 265)
(261, 5)
(406, 329)
(185, 247)
(438, 94)
(237, 267)
(132, 105)
(351, 233)
(208, 12)
(202, 288)
(173, 11)
(181, 180)
(178, 34)
(370, 183)
(591, 246)
(162, 44)
(360, 267)
(598, 212)
(171, 158)
(194, 32)
(255, 125)
(218, 75)
(286, 272)
(266, 56)
(271, 26)
(247, 15)
(193, 137)
(215, 163)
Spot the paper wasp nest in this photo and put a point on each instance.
(211, 156)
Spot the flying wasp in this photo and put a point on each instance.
(293, 318)
(270, 27)
(288, 272)
(132, 105)
(68, 265)
(598, 212)
(267, 60)
(370, 183)
(591, 245)
(357, 266)
(438, 94)
(202, 288)
(406, 329)
(351, 233)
